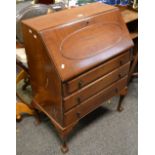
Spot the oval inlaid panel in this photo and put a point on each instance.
(90, 41)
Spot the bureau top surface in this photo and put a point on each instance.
(65, 16)
(81, 38)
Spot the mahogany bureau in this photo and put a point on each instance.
(77, 59)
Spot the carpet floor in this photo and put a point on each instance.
(103, 132)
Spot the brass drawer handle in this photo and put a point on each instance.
(116, 90)
(78, 114)
(80, 84)
(78, 100)
(87, 22)
(121, 62)
(120, 75)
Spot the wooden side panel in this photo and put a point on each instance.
(68, 16)
(45, 82)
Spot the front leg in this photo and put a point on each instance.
(122, 95)
(63, 136)
(63, 133)
(64, 147)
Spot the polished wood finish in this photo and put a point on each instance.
(76, 62)
(95, 73)
(61, 35)
(71, 15)
(94, 101)
(96, 86)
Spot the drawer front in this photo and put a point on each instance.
(95, 101)
(94, 74)
(95, 87)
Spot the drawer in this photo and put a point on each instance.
(96, 86)
(93, 102)
(92, 75)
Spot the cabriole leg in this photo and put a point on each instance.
(63, 135)
(122, 95)
(64, 147)
(119, 107)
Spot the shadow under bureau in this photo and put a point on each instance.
(77, 59)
